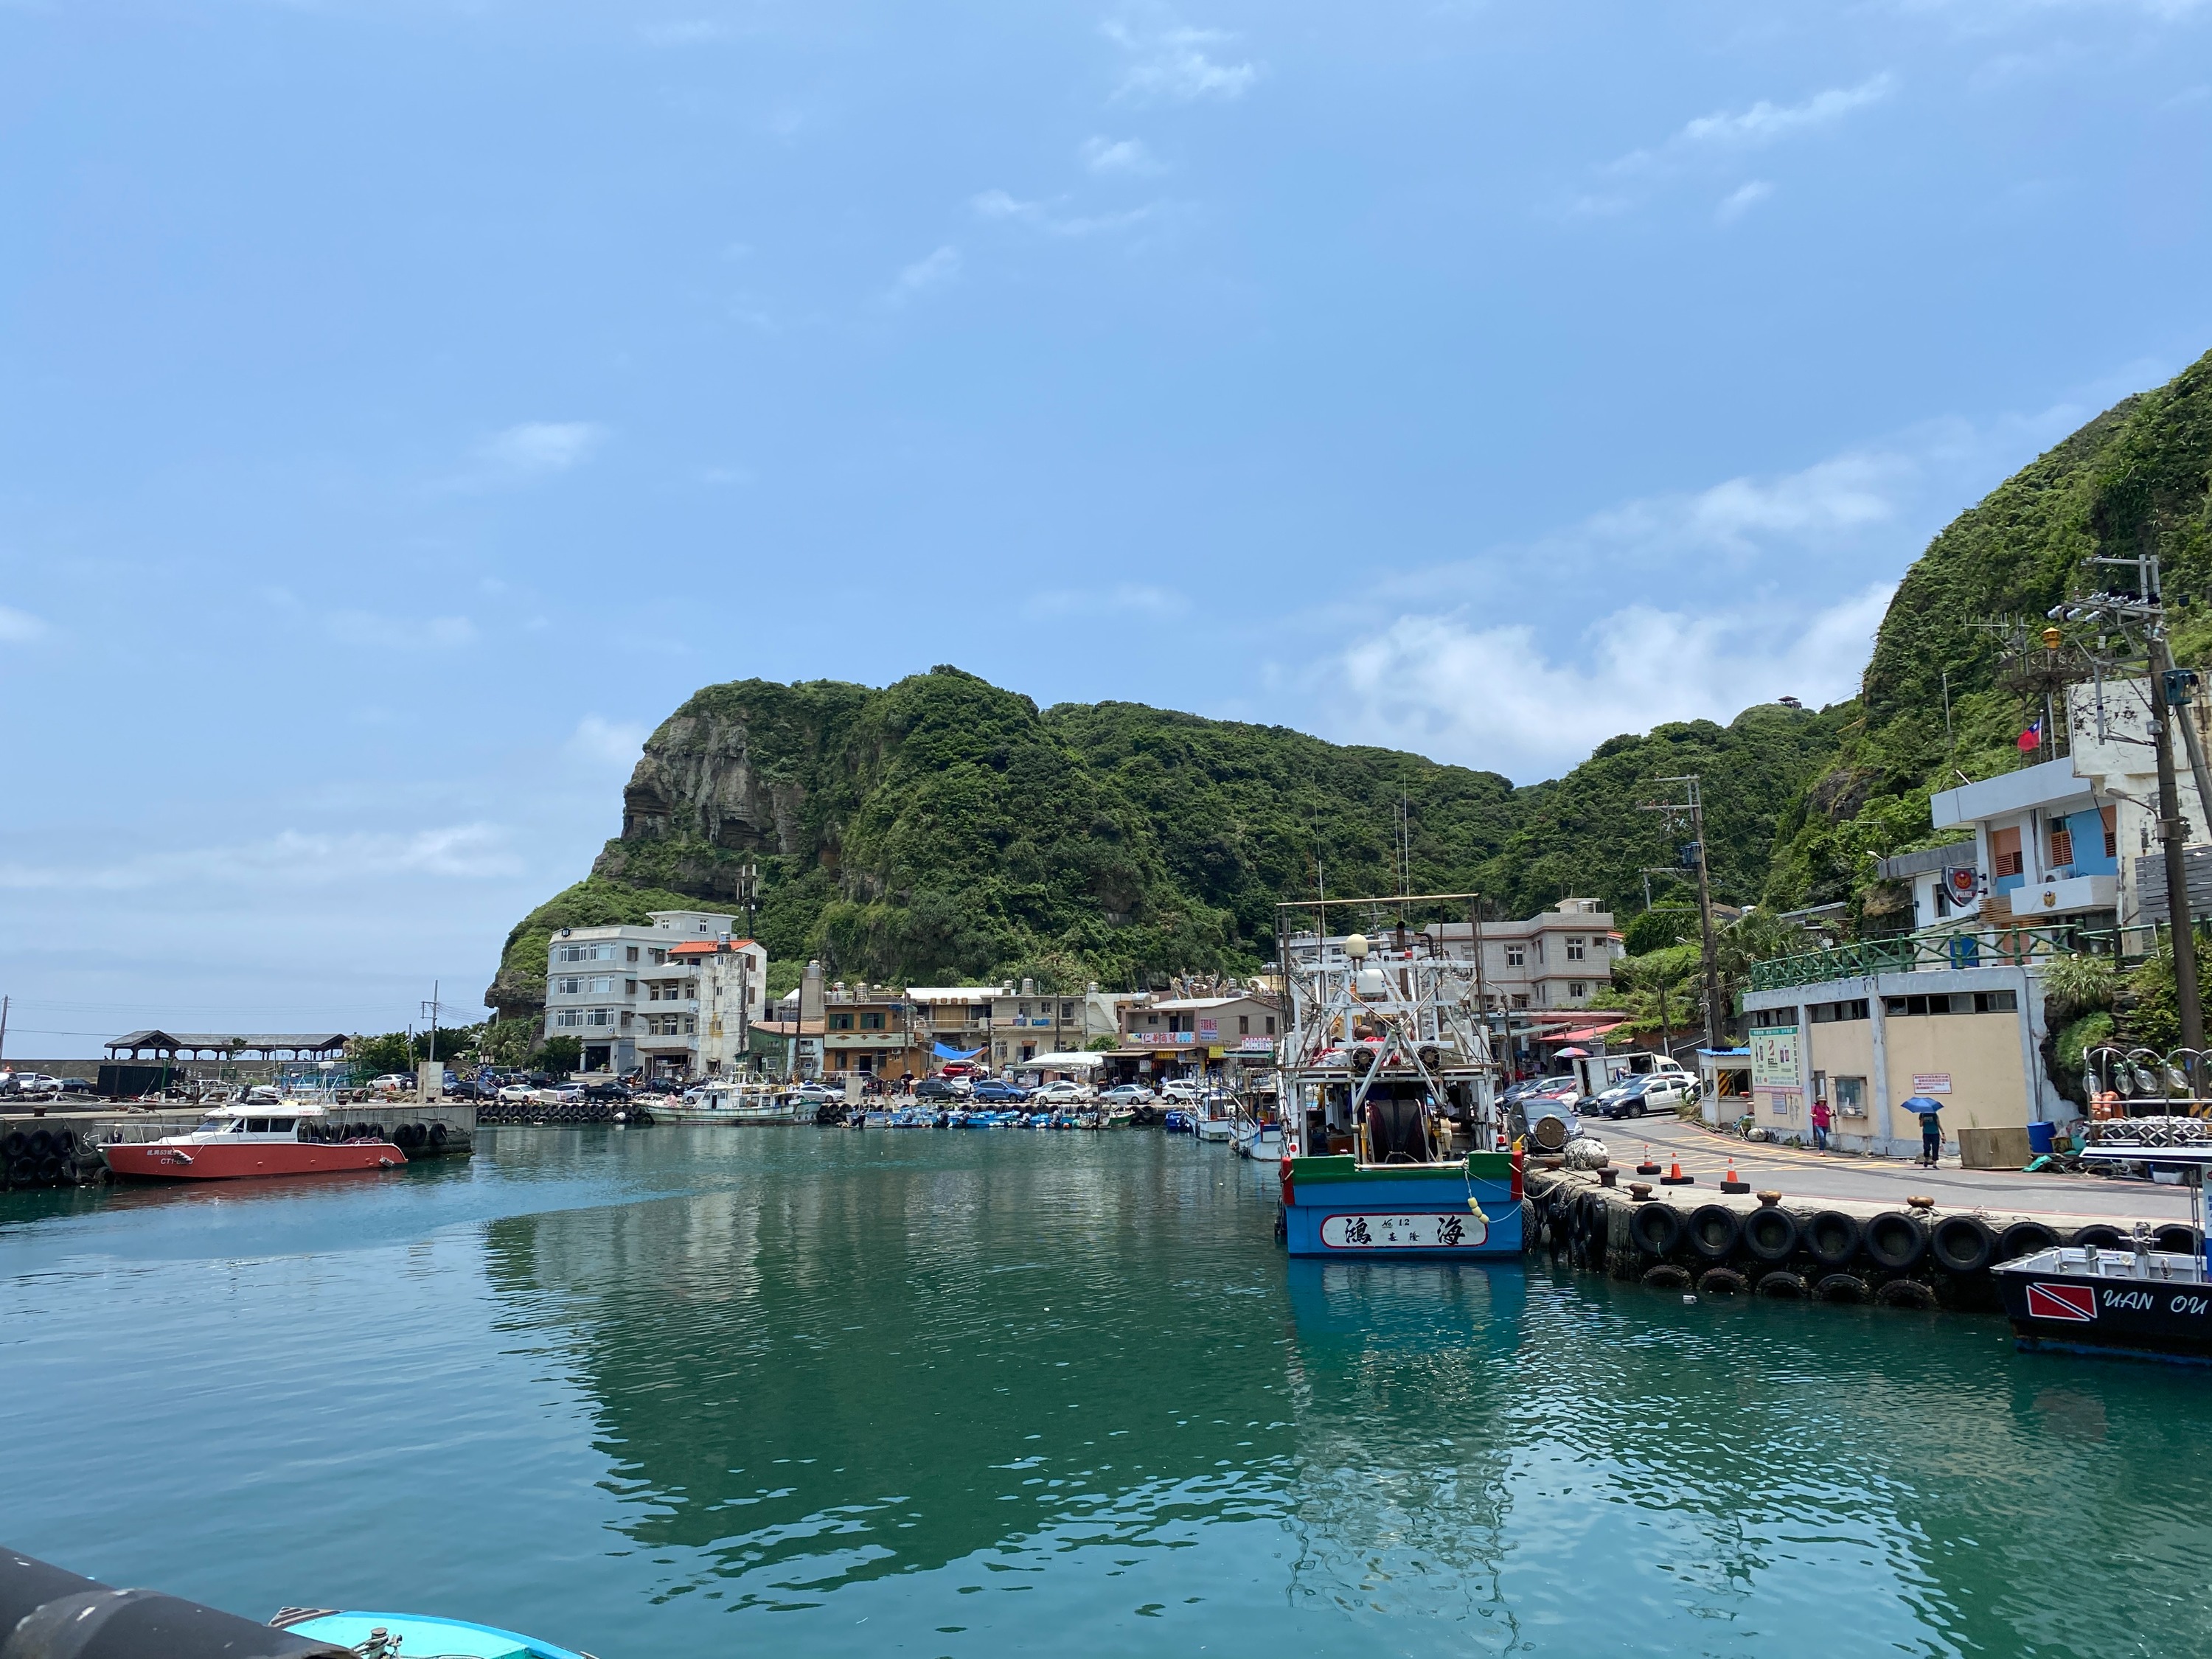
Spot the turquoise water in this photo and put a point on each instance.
(676, 1392)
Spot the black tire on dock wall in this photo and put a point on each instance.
(1895, 1241)
(1771, 1234)
(1905, 1293)
(1656, 1229)
(1784, 1284)
(1841, 1287)
(1963, 1245)
(2024, 1238)
(2178, 1239)
(1834, 1238)
(15, 1146)
(65, 1143)
(42, 1145)
(2104, 1237)
(1715, 1231)
(50, 1169)
(1666, 1277)
(1721, 1281)
(440, 1135)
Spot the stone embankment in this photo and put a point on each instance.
(1690, 1237)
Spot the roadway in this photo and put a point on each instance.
(1799, 1175)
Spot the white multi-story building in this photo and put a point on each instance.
(1558, 959)
(625, 996)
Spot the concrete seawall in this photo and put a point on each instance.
(1838, 1249)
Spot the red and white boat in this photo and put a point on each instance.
(287, 1138)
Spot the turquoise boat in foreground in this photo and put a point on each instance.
(417, 1636)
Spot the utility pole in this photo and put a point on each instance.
(2173, 693)
(430, 1008)
(1693, 804)
(3, 1025)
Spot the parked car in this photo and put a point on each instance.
(392, 1083)
(934, 1088)
(1630, 1097)
(1127, 1094)
(997, 1090)
(34, 1083)
(1064, 1092)
(77, 1085)
(1183, 1089)
(516, 1094)
(614, 1092)
(1531, 1115)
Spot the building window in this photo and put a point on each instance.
(631, 954)
(2004, 853)
(1516, 956)
(1850, 1095)
(2061, 845)
(1520, 999)
(1243, 1025)
(690, 1025)
(1066, 1010)
(569, 987)
(1827, 1012)
(1574, 950)
(2111, 833)
(1271, 1025)
(840, 1022)
(1957, 1002)
(1575, 988)
(872, 1022)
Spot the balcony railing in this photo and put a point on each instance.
(1991, 947)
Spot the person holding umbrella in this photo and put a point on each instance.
(1931, 1128)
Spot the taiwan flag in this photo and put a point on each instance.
(2031, 738)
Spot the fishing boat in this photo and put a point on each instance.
(1385, 1075)
(48, 1610)
(2130, 1299)
(233, 1142)
(1260, 1139)
(1216, 1116)
(736, 1102)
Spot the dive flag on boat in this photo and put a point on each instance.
(2074, 1302)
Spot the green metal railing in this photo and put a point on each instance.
(1989, 947)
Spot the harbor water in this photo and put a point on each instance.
(692, 1392)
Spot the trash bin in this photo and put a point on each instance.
(2039, 1137)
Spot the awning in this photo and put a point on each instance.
(947, 1051)
(1581, 1033)
(1066, 1061)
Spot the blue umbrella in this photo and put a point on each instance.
(1921, 1103)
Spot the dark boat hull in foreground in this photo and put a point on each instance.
(2154, 1305)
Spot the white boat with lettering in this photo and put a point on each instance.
(737, 1103)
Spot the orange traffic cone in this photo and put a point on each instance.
(1674, 1177)
(1647, 1167)
(1729, 1183)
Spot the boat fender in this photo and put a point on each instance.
(1834, 1238)
(1905, 1293)
(1656, 1229)
(2104, 1237)
(1841, 1287)
(15, 1146)
(1895, 1241)
(49, 1614)
(64, 1142)
(1771, 1234)
(2177, 1239)
(1783, 1284)
(1721, 1281)
(1666, 1277)
(41, 1144)
(440, 1135)
(1715, 1231)
(2024, 1238)
(1963, 1243)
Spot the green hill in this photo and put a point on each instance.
(942, 828)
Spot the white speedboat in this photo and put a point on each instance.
(1256, 1140)
(1216, 1116)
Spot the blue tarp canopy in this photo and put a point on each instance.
(947, 1051)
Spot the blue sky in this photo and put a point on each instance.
(406, 404)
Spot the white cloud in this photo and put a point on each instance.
(1176, 65)
(1765, 122)
(19, 627)
(467, 852)
(931, 271)
(608, 743)
(1529, 703)
(999, 205)
(1123, 598)
(539, 447)
(1740, 200)
(1126, 157)
(1701, 144)
(383, 633)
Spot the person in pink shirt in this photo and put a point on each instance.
(1820, 1121)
